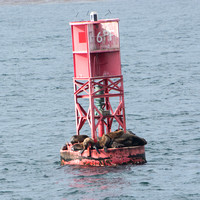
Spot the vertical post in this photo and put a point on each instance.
(123, 105)
(92, 119)
(108, 128)
(99, 103)
(101, 128)
(76, 111)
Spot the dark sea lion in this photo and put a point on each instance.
(77, 147)
(130, 139)
(136, 139)
(78, 138)
(106, 140)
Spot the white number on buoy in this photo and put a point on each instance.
(99, 37)
(102, 36)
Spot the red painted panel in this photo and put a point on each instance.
(79, 40)
(81, 64)
(105, 64)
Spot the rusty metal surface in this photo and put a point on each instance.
(114, 156)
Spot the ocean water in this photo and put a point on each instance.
(160, 55)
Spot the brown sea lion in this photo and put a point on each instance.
(88, 141)
(107, 139)
(78, 138)
(129, 139)
(93, 145)
(84, 145)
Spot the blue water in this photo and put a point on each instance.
(160, 55)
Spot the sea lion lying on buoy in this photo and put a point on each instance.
(78, 138)
(137, 140)
(107, 139)
(118, 139)
(128, 139)
(84, 145)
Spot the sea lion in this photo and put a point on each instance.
(136, 139)
(78, 138)
(89, 141)
(129, 139)
(106, 140)
(84, 145)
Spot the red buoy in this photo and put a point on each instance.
(99, 82)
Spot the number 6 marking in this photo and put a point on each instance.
(99, 38)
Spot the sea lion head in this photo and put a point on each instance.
(77, 147)
(88, 141)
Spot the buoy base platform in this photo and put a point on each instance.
(113, 156)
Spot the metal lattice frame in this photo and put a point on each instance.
(85, 88)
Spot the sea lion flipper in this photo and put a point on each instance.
(97, 149)
(105, 149)
(81, 151)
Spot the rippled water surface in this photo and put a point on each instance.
(160, 48)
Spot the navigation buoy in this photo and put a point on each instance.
(99, 82)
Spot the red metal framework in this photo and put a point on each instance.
(111, 86)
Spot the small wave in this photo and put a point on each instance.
(6, 192)
(144, 183)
